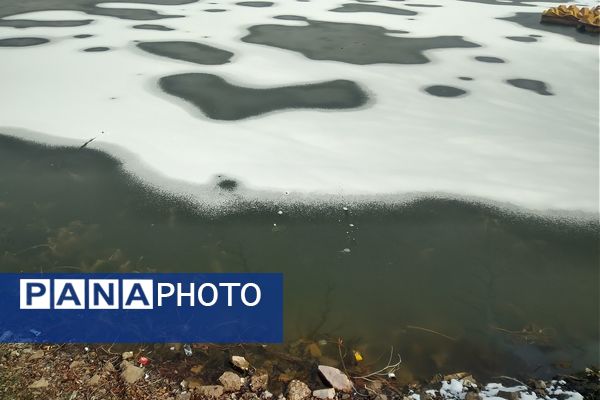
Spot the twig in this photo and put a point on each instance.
(387, 370)
(90, 141)
(431, 331)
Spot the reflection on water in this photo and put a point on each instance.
(453, 286)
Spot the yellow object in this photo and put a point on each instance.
(584, 15)
(358, 356)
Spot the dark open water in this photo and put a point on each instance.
(511, 295)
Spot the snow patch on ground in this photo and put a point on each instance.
(457, 389)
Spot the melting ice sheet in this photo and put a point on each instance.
(502, 139)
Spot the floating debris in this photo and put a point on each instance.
(357, 356)
(584, 18)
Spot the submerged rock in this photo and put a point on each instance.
(298, 390)
(336, 378)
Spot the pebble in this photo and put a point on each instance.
(324, 393)
(131, 373)
(39, 384)
(298, 390)
(210, 391)
(336, 378)
(240, 362)
(231, 381)
(94, 380)
(259, 382)
(36, 355)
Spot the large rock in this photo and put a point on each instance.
(298, 390)
(258, 382)
(231, 382)
(131, 373)
(240, 363)
(324, 393)
(336, 378)
(210, 391)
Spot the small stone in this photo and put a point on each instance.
(266, 395)
(76, 364)
(472, 396)
(457, 376)
(109, 367)
(131, 373)
(298, 390)
(94, 380)
(258, 382)
(211, 391)
(184, 396)
(127, 355)
(192, 383)
(196, 369)
(324, 393)
(231, 381)
(540, 385)
(240, 363)
(314, 350)
(336, 378)
(36, 355)
(39, 384)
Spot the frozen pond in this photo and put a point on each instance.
(425, 174)
(497, 136)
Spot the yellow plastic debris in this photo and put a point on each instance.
(357, 356)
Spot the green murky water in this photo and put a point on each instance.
(451, 285)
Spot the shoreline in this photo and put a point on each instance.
(73, 371)
(213, 198)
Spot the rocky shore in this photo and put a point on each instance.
(73, 372)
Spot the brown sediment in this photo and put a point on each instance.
(143, 372)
